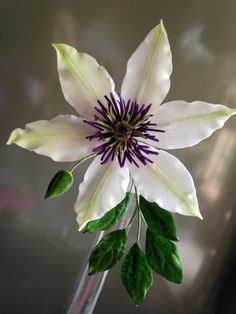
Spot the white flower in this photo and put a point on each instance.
(125, 132)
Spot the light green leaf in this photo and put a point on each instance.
(110, 218)
(108, 251)
(163, 257)
(59, 184)
(136, 274)
(159, 220)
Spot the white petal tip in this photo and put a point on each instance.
(81, 227)
(62, 48)
(56, 45)
(198, 216)
(233, 112)
(161, 24)
(14, 136)
(81, 223)
(194, 214)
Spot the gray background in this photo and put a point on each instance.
(41, 249)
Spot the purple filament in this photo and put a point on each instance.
(120, 126)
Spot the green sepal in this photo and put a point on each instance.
(159, 220)
(108, 251)
(59, 184)
(163, 257)
(136, 274)
(111, 217)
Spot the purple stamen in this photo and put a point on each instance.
(120, 126)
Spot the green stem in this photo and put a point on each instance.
(131, 186)
(139, 226)
(131, 220)
(135, 210)
(139, 214)
(81, 161)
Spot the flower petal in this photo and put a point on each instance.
(83, 80)
(186, 124)
(104, 187)
(168, 183)
(62, 138)
(148, 70)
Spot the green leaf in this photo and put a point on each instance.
(163, 257)
(110, 218)
(159, 220)
(136, 274)
(108, 251)
(59, 184)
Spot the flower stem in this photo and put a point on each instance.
(131, 219)
(139, 226)
(139, 214)
(81, 161)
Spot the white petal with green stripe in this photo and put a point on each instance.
(186, 124)
(148, 70)
(168, 183)
(62, 138)
(104, 187)
(83, 80)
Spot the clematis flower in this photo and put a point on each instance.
(127, 132)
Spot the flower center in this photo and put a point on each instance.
(122, 131)
(123, 127)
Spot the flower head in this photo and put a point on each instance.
(120, 126)
(127, 132)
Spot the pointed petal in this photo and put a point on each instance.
(83, 80)
(104, 187)
(62, 138)
(148, 70)
(168, 183)
(186, 124)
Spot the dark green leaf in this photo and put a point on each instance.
(108, 251)
(163, 257)
(59, 184)
(159, 220)
(136, 274)
(110, 218)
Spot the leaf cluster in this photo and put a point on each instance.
(161, 254)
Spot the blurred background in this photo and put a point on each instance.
(41, 250)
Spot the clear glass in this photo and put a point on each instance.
(88, 288)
